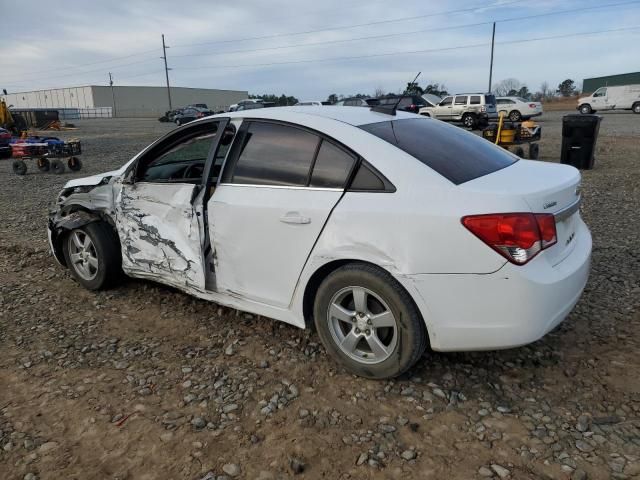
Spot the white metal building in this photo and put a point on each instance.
(124, 101)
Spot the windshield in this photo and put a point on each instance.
(457, 155)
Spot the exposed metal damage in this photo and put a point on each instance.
(159, 233)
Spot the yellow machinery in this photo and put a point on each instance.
(507, 134)
(6, 120)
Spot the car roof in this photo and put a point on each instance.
(350, 115)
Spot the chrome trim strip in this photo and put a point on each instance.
(568, 211)
(287, 187)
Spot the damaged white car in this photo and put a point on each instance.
(385, 230)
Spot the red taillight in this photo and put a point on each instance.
(532, 105)
(199, 115)
(516, 236)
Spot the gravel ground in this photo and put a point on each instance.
(143, 382)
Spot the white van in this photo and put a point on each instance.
(612, 98)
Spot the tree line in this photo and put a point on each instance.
(509, 87)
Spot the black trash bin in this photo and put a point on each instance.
(579, 135)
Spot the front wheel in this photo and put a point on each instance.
(19, 167)
(585, 109)
(92, 254)
(368, 322)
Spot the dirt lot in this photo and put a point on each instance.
(143, 382)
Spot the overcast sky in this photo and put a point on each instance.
(213, 44)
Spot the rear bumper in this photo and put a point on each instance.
(514, 306)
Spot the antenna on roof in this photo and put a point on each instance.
(392, 111)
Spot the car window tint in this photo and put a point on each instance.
(475, 100)
(446, 101)
(461, 100)
(184, 161)
(275, 155)
(366, 180)
(332, 166)
(455, 154)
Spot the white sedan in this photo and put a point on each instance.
(516, 108)
(387, 231)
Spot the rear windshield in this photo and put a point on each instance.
(455, 154)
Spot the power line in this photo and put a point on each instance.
(511, 19)
(412, 52)
(346, 27)
(498, 4)
(390, 35)
(403, 19)
(90, 64)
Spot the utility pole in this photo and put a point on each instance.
(166, 70)
(493, 41)
(113, 96)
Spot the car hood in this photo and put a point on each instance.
(97, 179)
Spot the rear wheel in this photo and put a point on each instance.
(57, 167)
(74, 164)
(469, 120)
(519, 151)
(43, 164)
(515, 116)
(534, 151)
(585, 109)
(92, 254)
(636, 107)
(19, 167)
(368, 322)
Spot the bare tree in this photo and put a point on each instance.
(379, 92)
(507, 87)
(545, 91)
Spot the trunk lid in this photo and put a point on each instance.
(546, 188)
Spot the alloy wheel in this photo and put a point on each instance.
(362, 325)
(83, 255)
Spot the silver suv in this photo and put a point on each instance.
(472, 109)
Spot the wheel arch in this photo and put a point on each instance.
(69, 218)
(324, 270)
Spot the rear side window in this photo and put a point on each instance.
(274, 154)
(474, 100)
(457, 155)
(332, 166)
(461, 100)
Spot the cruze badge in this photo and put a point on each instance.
(570, 239)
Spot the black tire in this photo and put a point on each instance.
(410, 334)
(19, 167)
(74, 164)
(107, 250)
(57, 167)
(519, 151)
(585, 109)
(636, 107)
(43, 164)
(534, 151)
(515, 116)
(469, 120)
